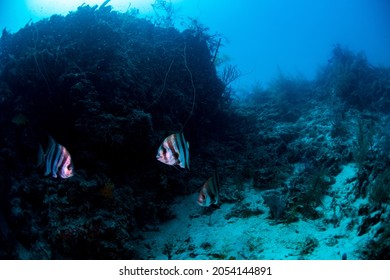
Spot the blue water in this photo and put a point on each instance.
(261, 37)
(93, 93)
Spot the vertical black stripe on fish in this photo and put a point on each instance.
(184, 150)
(164, 151)
(171, 141)
(212, 189)
(56, 163)
(187, 151)
(179, 142)
(50, 153)
(62, 162)
(215, 187)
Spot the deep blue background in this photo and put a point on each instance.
(265, 36)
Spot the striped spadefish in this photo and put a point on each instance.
(209, 193)
(174, 151)
(58, 161)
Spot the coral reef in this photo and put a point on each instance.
(111, 86)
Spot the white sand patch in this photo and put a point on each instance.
(198, 233)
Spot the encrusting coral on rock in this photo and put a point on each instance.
(300, 156)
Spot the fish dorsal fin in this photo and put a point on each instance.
(41, 156)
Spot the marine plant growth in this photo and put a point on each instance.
(110, 87)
